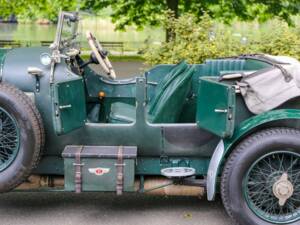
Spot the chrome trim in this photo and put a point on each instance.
(123, 81)
(221, 110)
(116, 82)
(152, 83)
(213, 171)
(1, 71)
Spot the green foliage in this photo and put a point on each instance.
(196, 40)
(130, 12)
(282, 40)
(31, 10)
(150, 12)
(8, 7)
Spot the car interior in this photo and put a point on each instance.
(171, 92)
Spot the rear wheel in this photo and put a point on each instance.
(261, 179)
(21, 137)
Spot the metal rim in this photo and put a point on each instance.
(9, 139)
(258, 187)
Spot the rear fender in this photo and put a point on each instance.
(226, 146)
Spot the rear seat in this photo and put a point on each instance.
(167, 103)
(213, 67)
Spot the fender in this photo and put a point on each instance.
(225, 146)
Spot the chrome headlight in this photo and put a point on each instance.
(45, 59)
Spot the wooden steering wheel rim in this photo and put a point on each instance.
(104, 62)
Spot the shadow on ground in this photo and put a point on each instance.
(94, 208)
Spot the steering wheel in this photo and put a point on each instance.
(102, 58)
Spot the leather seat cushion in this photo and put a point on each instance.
(122, 113)
(213, 67)
(171, 102)
(169, 99)
(165, 82)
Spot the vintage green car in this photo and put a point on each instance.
(216, 127)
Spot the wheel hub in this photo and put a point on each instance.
(283, 189)
(272, 187)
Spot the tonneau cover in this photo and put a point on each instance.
(268, 88)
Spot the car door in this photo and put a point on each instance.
(216, 104)
(69, 107)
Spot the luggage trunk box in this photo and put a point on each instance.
(99, 168)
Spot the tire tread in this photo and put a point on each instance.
(38, 130)
(242, 146)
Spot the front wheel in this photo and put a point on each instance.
(261, 179)
(21, 137)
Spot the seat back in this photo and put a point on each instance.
(215, 66)
(164, 83)
(171, 101)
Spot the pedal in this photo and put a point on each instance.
(178, 172)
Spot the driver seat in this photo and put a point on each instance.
(167, 102)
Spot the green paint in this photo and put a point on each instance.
(105, 182)
(216, 105)
(2, 54)
(99, 167)
(159, 145)
(255, 121)
(153, 165)
(69, 106)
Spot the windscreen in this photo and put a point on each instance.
(66, 36)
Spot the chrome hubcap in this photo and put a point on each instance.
(283, 189)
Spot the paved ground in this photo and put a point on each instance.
(107, 209)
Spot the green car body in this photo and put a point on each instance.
(183, 142)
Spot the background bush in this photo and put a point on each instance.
(198, 39)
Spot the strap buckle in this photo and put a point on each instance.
(120, 172)
(78, 174)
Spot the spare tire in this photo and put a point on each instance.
(21, 137)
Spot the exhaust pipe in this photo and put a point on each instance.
(151, 185)
(163, 186)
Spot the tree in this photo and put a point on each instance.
(35, 9)
(8, 7)
(150, 12)
(192, 42)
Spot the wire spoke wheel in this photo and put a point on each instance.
(9, 139)
(272, 187)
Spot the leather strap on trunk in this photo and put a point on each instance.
(120, 172)
(78, 174)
